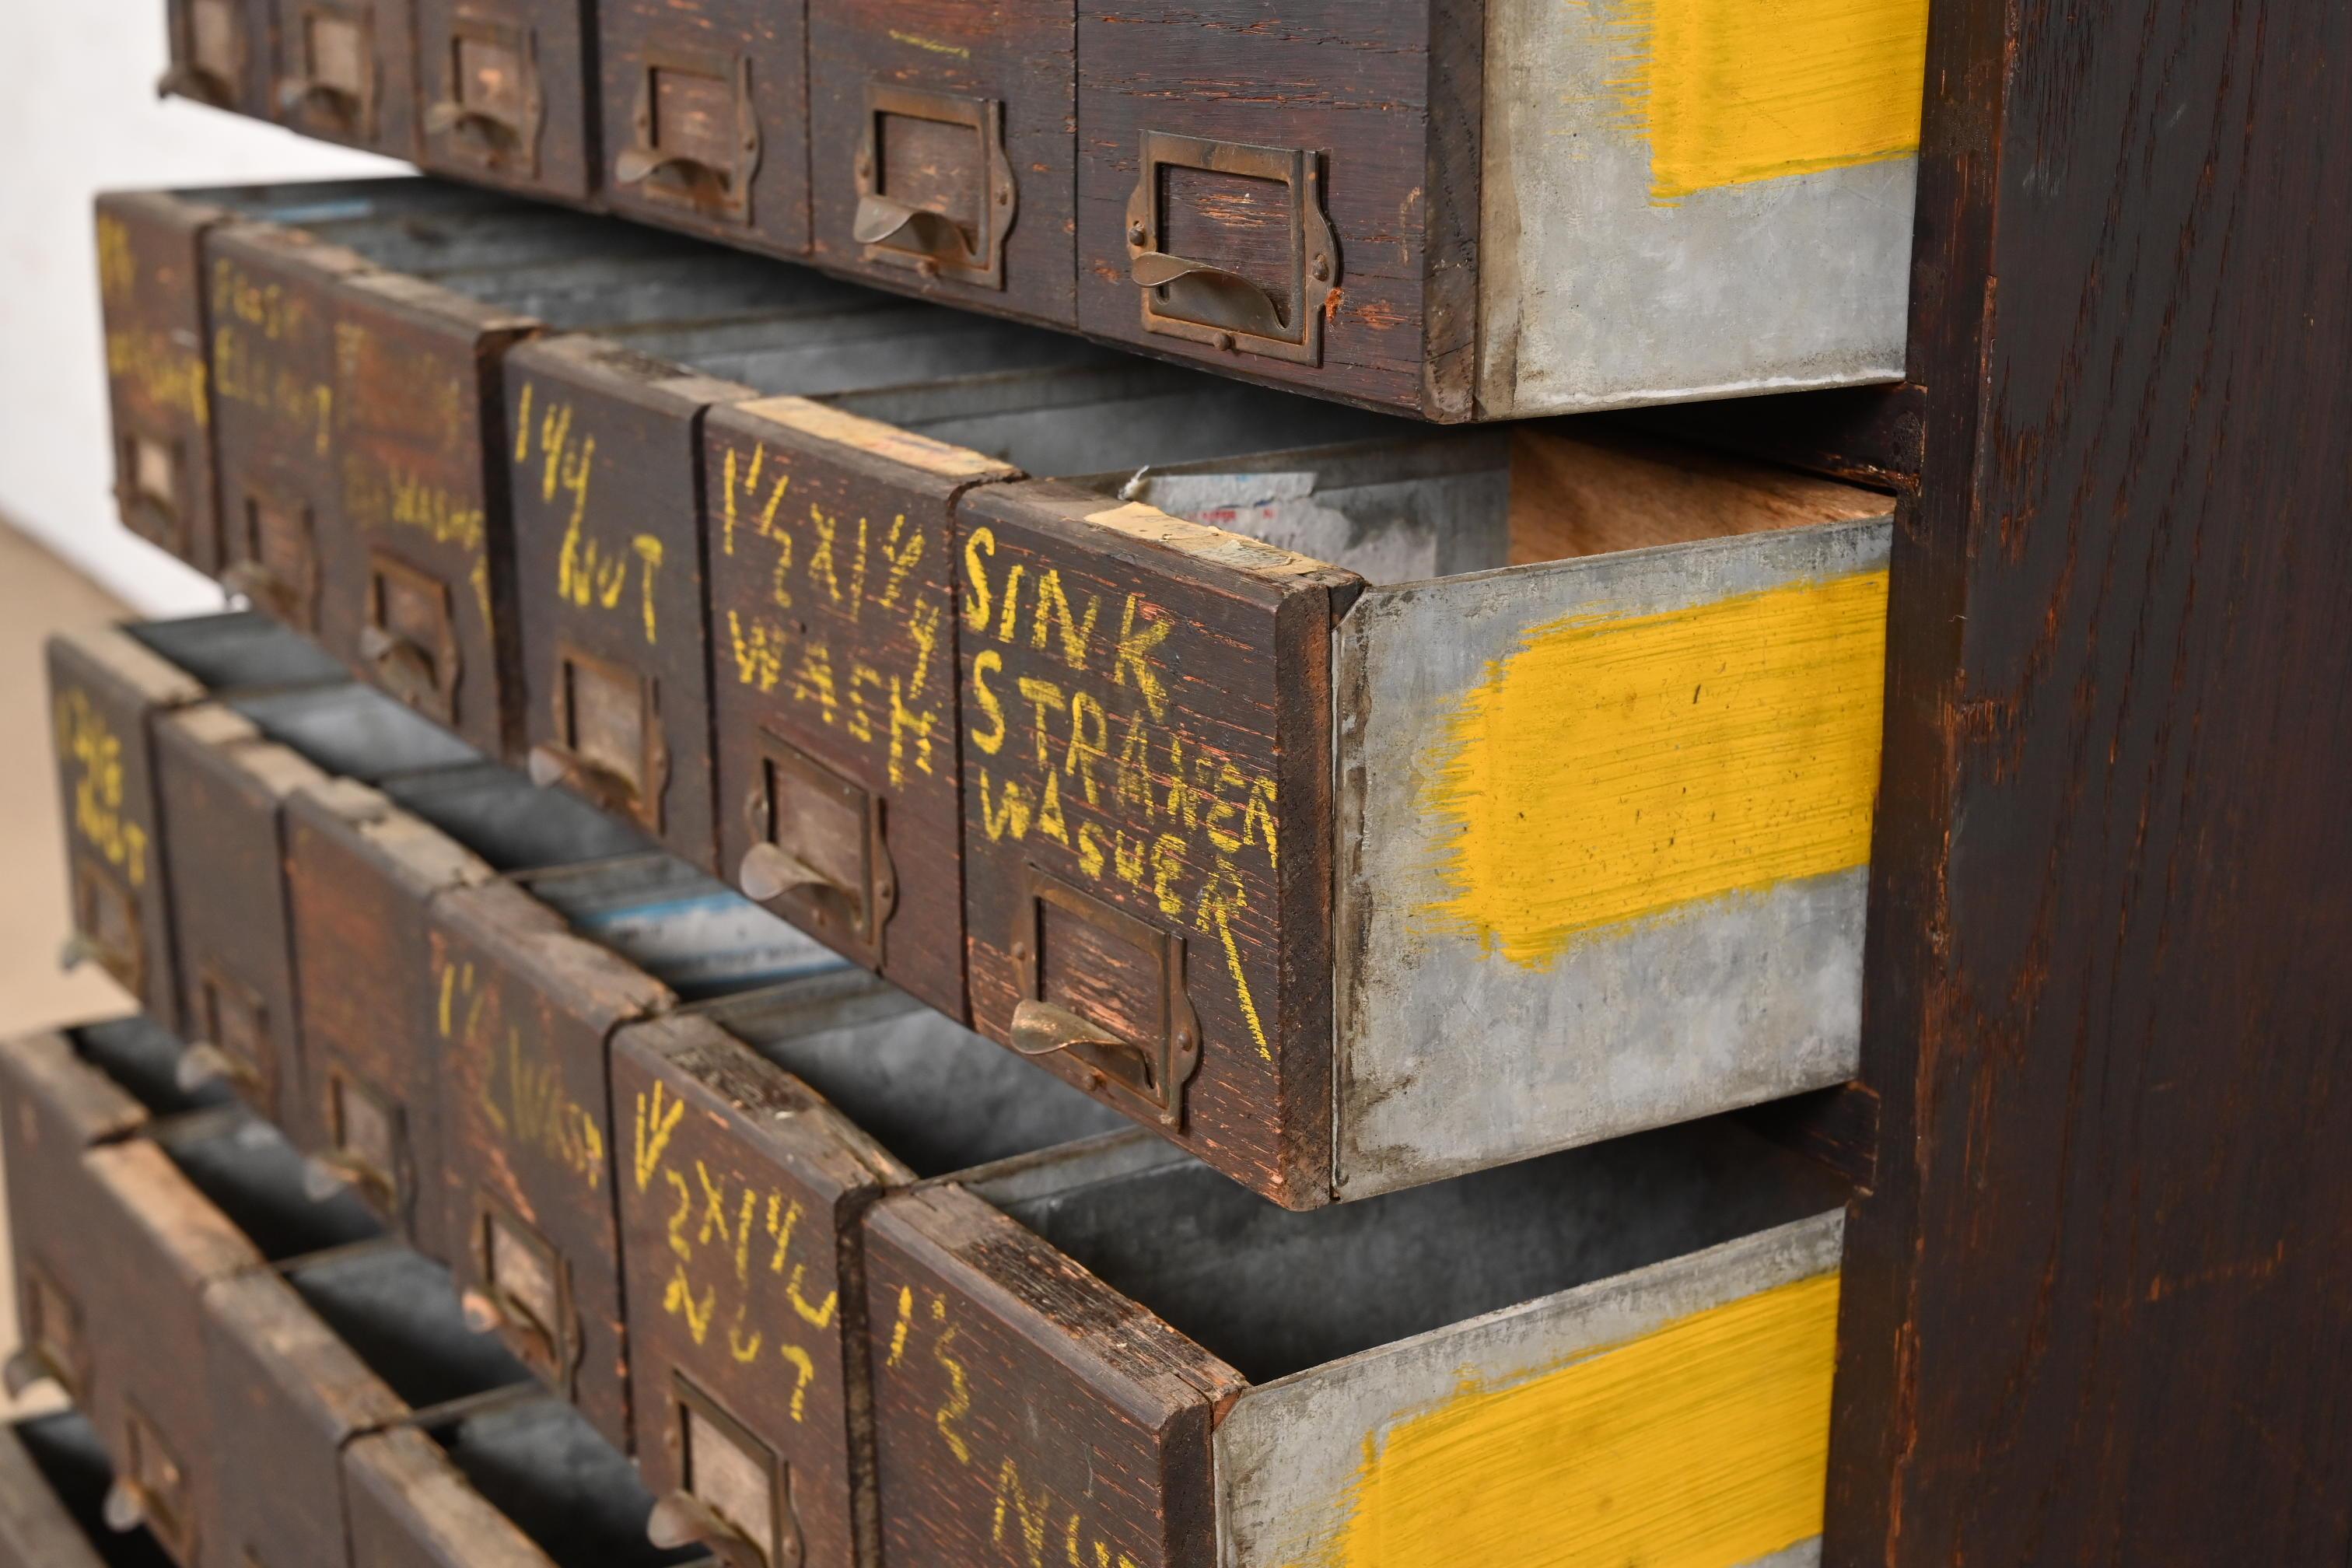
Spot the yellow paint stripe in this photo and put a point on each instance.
(1619, 768)
(1728, 91)
(1703, 1445)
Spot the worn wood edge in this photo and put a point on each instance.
(115, 655)
(606, 366)
(307, 1361)
(536, 946)
(1453, 209)
(421, 854)
(140, 1179)
(451, 1518)
(819, 422)
(46, 1066)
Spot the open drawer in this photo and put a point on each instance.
(309, 1357)
(758, 1128)
(107, 689)
(516, 1481)
(362, 866)
(1621, 1353)
(1356, 826)
(527, 978)
(53, 1481)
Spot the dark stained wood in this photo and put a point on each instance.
(219, 54)
(53, 1480)
(1868, 434)
(742, 1195)
(506, 94)
(1019, 1399)
(1012, 67)
(2094, 1304)
(723, 83)
(833, 619)
(521, 1012)
(151, 289)
(344, 70)
(411, 1508)
(1146, 715)
(606, 497)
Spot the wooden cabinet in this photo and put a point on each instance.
(505, 94)
(344, 70)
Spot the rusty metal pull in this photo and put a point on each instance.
(449, 115)
(934, 238)
(405, 668)
(1043, 1028)
(297, 94)
(551, 764)
(770, 871)
(262, 586)
(127, 1506)
(635, 166)
(486, 1314)
(1211, 295)
(185, 78)
(24, 1371)
(203, 1064)
(683, 1520)
(325, 1176)
(77, 951)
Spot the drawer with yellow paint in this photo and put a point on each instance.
(1108, 1352)
(107, 691)
(754, 1132)
(1356, 826)
(53, 1480)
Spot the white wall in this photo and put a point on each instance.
(78, 114)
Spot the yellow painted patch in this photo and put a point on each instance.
(1704, 1444)
(1728, 91)
(1616, 768)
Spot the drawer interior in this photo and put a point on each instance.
(690, 931)
(142, 1058)
(512, 823)
(65, 1450)
(936, 1095)
(237, 651)
(399, 1313)
(1274, 1291)
(253, 1175)
(540, 1463)
(354, 732)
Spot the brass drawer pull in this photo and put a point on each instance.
(127, 1506)
(404, 667)
(1203, 293)
(263, 587)
(76, 950)
(446, 116)
(185, 78)
(24, 1371)
(681, 1519)
(298, 93)
(327, 1175)
(1204, 302)
(635, 166)
(709, 165)
(770, 871)
(896, 232)
(552, 764)
(933, 238)
(1041, 1028)
(204, 1064)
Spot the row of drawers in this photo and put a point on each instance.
(1364, 198)
(1096, 1350)
(1357, 804)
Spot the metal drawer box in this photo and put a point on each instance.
(1623, 1353)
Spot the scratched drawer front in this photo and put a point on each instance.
(1285, 230)
(1596, 1325)
(941, 151)
(705, 117)
(103, 690)
(55, 1474)
(743, 1347)
(833, 704)
(523, 1009)
(344, 70)
(219, 55)
(151, 289)
(221, 785)
(608, 555)
(359, 875)
(414, 565)
(505, 96)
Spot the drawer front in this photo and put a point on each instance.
(1147, 796)
(417, 591)
(705, 117)
(608, 567)
(103, 694)
(151, 288)
(344, 70)
(224, 787)
(940, 149)
(270, 311)
(1020, 1406)
(410, 1507)
(1279, 235)
(359, 874)
(219, 54)
(504, 96)
(742, 1345)
(53, 1479)
(831, 567)
(522, 1011)
(288, 1394)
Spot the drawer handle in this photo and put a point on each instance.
(1211, 294)
(1043, 1028)
(24, 1371)
(934, 239)
(187, 79)
(405, 668)
(260, 585)
(327, 1175)
(551, 764)
(127, 1506)
(203, 1064)
(486, 1314)
(900, 234)
(447, 116)
(769, 871)
(635, 166)
(77, 951)
(298, 93)
(682, 1519)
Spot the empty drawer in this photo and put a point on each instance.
(1620, 1354)
(53, 1478)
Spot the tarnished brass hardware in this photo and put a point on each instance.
(898, 233)
(1202, 301)
(713, 176)
(681, 1519)
(1148, 1071)
(203, 1064)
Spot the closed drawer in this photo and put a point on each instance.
(940, 150)
(150, 290)
(107, 689)
(705, 117)
(739, 1229)
(345, 70)
(306, 1359)
(529, 979)
(53, 1481)
(505, 94)
(219, 55)
(1404, 232)
(1623, 1353)
(1551, 826)
(519, 1483)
